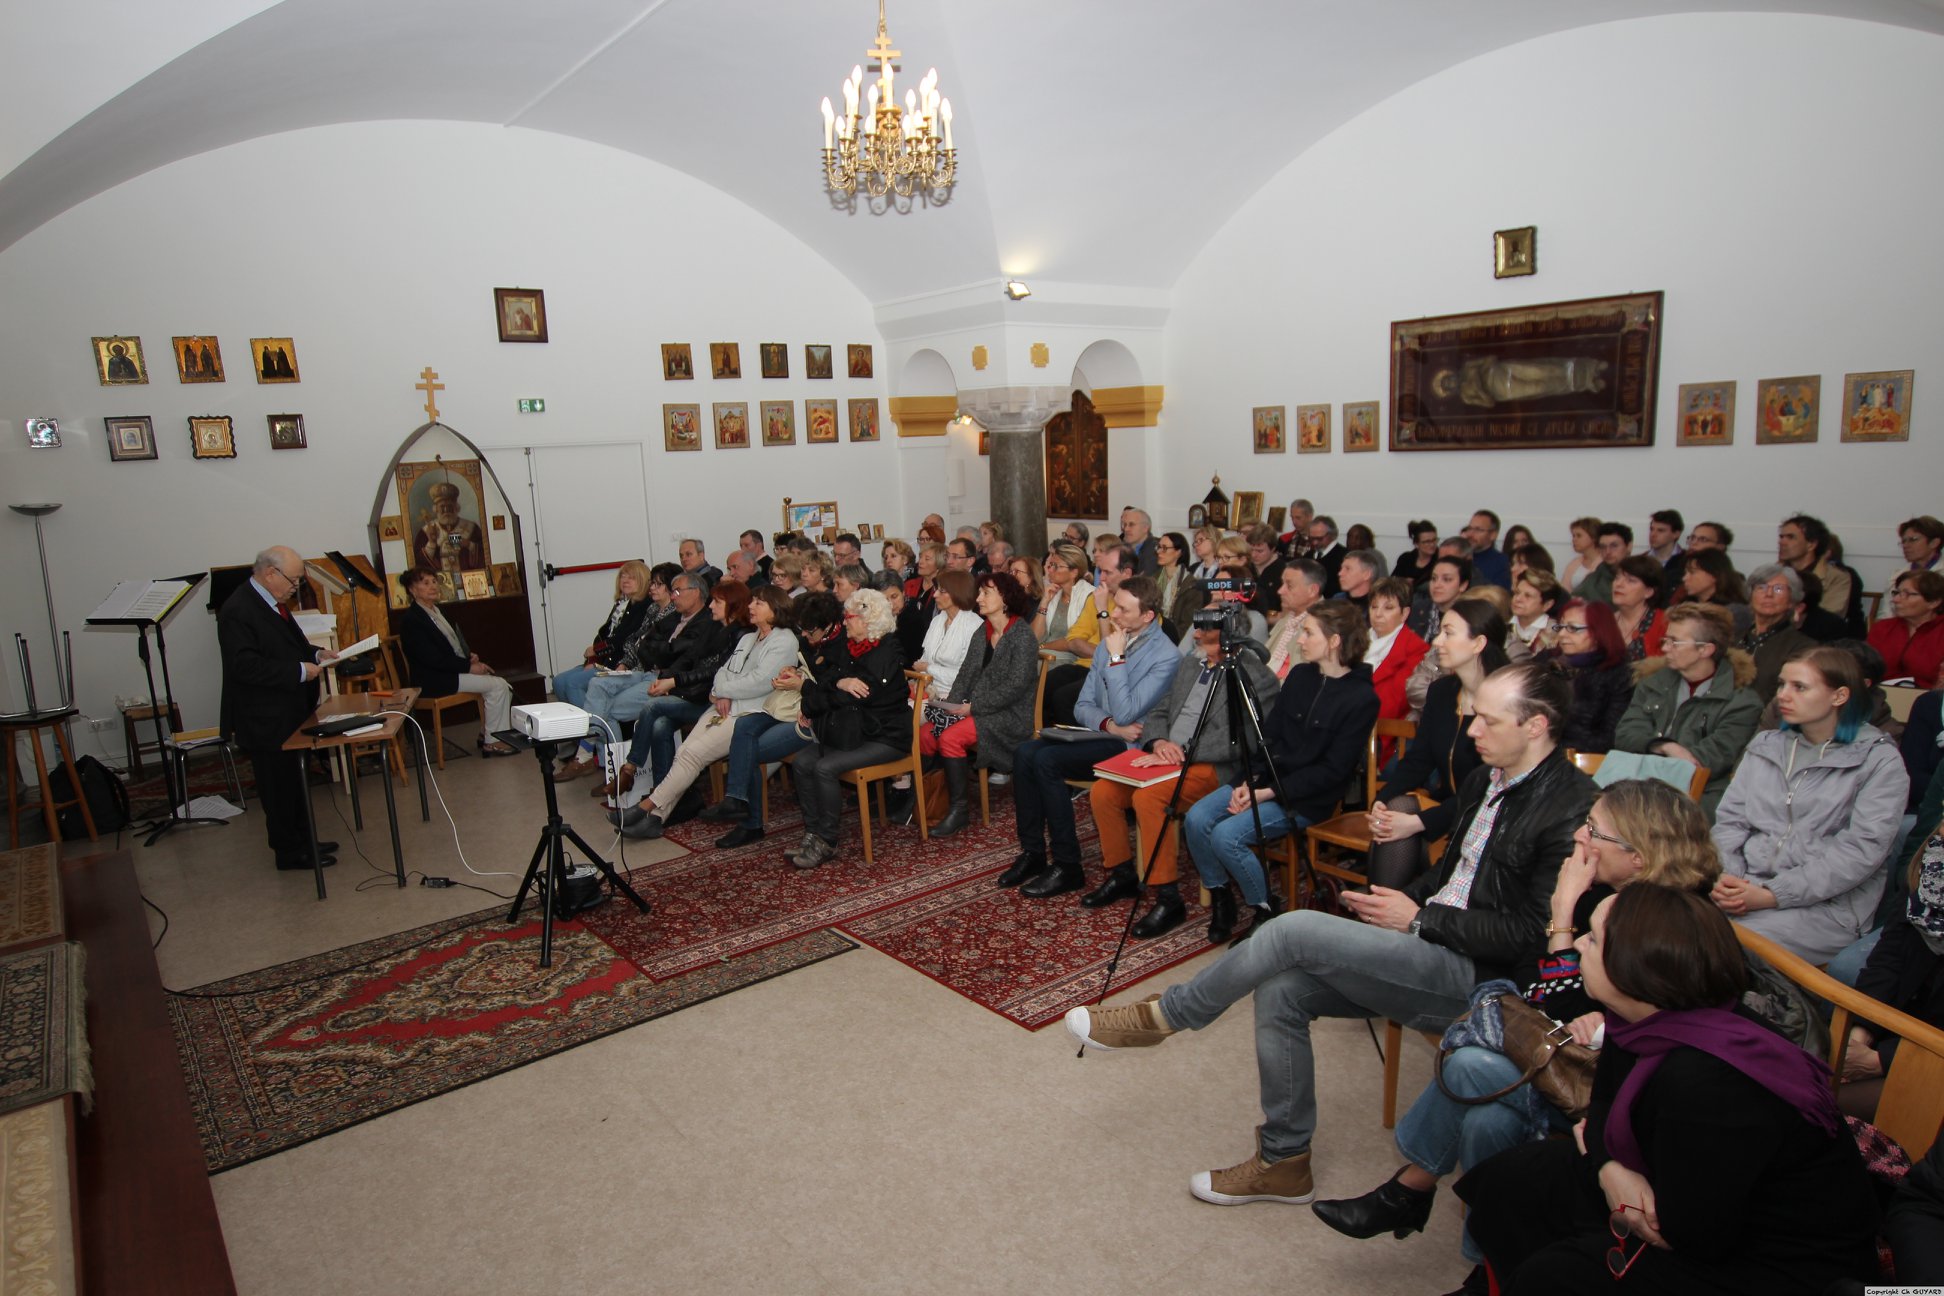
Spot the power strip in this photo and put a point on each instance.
(435, 881)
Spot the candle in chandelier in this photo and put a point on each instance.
(830, 122)
(945, 111)
(850, 92)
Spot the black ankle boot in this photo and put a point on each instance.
(1221, 914)
(1167, 914)
(1388, 1208)
(1258, 915)
(1029, 864)
(1061, 878)
(727, 810)
(957, 775)
(1118, 885)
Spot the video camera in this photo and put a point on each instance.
(1230, 597)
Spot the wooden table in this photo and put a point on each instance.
(395, 708)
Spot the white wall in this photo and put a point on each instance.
(1776, 176)
(377, 247)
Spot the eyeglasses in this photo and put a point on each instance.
(1773, 587)
(1617, 1259)
(1681, 643)
(1597, 835)
(1571, 627)
(853, 616)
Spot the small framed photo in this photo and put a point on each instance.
(1705, 414)
(864, 418)
(1312, 429)
(287, 432)
(130, 438)
(1197, 516)
(860, 359)
(451, 586)
(1876, 406)
(522, 314)
(731, 425)
(1275, 519)
(391, 527)
(1271, 430)
(681, 427)
(1515, 252)
(395, 594)
(816, 360)
(677, 363)
(1248, 509)
(212, 437)
(725, 359)
(118, 361)
(506, 579)
(477, 585)
(779, 423)
(198, 359)
(1788, 410)
(275, 359)
(1359, 426)
(806, 518)
(820, 422)
(776, 359)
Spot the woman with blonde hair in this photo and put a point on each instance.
(899, 557)
(1206, 542)
(861, 715)
(1027, 570)
(1585, 532)
(1066, 606)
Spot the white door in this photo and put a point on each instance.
(588, 514)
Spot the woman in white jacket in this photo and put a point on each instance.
(949, 636)
(742, 684)
(1812, 813)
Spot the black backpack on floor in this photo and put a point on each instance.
(106, 794)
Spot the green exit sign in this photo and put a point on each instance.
(532, 405)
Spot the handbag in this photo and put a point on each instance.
(787, 704)
(1558, 1068)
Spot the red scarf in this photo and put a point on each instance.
(858, 647)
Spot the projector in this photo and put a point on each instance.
(548, 721)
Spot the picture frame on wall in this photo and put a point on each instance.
(681, 427)
(478, 586)
(1515, 252)
(1705, 414)
(860, 360)
(1274, 520)
(506, 579)
(391, 527)
(1788, 411)
(1312, 429)
(776, 359)
(864, 418)
(731, 425)
(198, 359)
(1876, 406)
(1197, 516)
(287, 432)
(1360, 427)
(816, 360)
(725, 359)
(1248, 509)
(1269, 429)
(779, 422)
(274, 359)
(118, 361)
(820, 422)
(130, 438)
(678, 362)
(806, 518)
(212, 436)
(522, 314)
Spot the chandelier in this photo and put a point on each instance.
(880, 148)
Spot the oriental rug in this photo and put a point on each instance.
(30, 896)
(43, 1021)
(279, 1057)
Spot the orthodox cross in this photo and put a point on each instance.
(429, 384)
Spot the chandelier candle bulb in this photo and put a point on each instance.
(830, 122)
(945, 113)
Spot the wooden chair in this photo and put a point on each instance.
(1588, 763)
(1875, 600)
(1393, 1064)
(1039, 706)
(384, 678)
(911, 763)
(1911, 1109)
(1347, 832)
(438, 706)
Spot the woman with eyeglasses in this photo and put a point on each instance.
(1911, 638)
(1208, 562)
(1638, 831)
(1066, 609)
(1587, 649)
(1181, 594)
(1414, 564)
(1774, 594)
(1713, 1159)
(1709, 577)
(1693, 702)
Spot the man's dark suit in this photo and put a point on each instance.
(265, 698)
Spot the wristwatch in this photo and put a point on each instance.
(1417, 923)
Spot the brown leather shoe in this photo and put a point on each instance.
(573, 769)
(618, 785)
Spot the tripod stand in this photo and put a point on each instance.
(553, 879)
(1245, 735)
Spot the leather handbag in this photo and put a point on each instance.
(1548, 1058)
(787, 704)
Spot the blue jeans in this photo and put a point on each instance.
(759, 739)
(1043, 803)
(661, 719)
(1440, 1134)
(616, 699)
(570, 686)
(1218, 842)
(1848, 965)
(1305, 965)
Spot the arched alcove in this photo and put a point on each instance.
(1106, 363)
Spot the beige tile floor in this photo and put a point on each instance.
(850, 1127)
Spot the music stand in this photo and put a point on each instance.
(354, 581)
(146, 604)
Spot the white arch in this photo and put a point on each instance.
(1106, 363)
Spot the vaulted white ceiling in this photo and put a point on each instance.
(1101, 141)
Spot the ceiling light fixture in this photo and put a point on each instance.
(882, 149)
(1017, 289)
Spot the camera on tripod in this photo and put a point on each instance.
(1229, 611)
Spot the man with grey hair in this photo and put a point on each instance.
(742, 567)
(1137, 533)
(695, 561)
(270, 674)
(1295, 542)
(1360, 569)
(1325, 551)
(998, 555)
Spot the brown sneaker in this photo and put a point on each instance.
(574, 769)
(1256, 1180)
(1135, 1025)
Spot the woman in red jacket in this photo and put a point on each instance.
(1911, 638)
(1394, 652)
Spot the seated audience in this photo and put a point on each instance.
(1922, 540)
(1708, 577)
(1815, 620)
(1906, 971)
(1295, 543)
(617, 691)
(962, 554)
(1713, 1151)
(1067, 609)
(1166, 731)
(1232, 549)
(1586, 560)
(1489, 566)
(1181, 593)
(931, 561)
(1412, 955)
(1301, 589)
(750, 543)
(1075, 533)
(1911, 638)
(1245, 620)
(1516, 535)
(1664, 529)
(1710, 535)
(1418, 802)
(846, 551)
(1030, 574)
(990, 702)
(1207, 561)
(742, 686)
(899, 558)
(1812, 814)
(1356, 574)
(931, 531)
(770, 734)
(442, 663)
(685, 670)
(1531, 556)
(1137, 533)
(1414, 564)
(1535, 597)
(1358, 536)
(1594, 660)
(1803, 544)
(611, 636)
(1635, 597)
(1113, 564)
(1325, 551)
(1115, 700)
(786, 573)
(1615, 543)
(1854, 622)
(1694, 703)
(1450, 577)
(1640, 830)
(860, 714)
(1431, 668)
(947, 639)
(850, 578)
(1774, 595)
(1268, 563)
(1393, 654)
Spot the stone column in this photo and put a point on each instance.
(1016, 417)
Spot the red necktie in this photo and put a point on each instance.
(283, 610)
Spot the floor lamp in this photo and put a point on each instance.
(63, 670)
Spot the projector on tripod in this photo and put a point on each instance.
(550, 721)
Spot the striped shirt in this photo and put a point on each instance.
(1457, 892)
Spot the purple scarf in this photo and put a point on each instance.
(1798, 1078)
